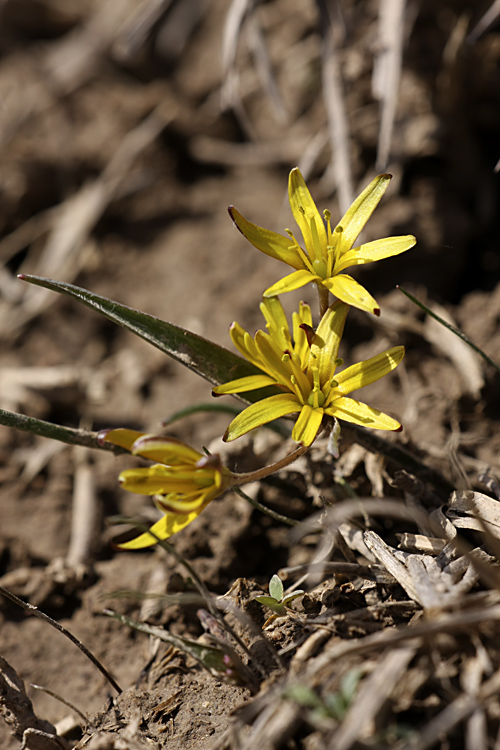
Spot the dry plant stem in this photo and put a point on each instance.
(61, 700)
(85, 513)
(17, 711)
(38, 613)
(370, 440)
(202, 589)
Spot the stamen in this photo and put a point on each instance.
(316, 245)
(302, 254)
(328, 216)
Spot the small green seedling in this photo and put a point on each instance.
(333, 705)
(277, 601)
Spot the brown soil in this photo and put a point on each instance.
(159, 239)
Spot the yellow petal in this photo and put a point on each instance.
(358, 413)
(162, 529)
(171, 503)
(307, 216)
(244, 343)
(121, 437)
(363, 373)
(293, 281)
(349, 291)
(325, 346)
(249, 383)
(282, 370)
(156, 480)
(301, 344)
(270, 243)
(372, 251)
(276, 322)
(307, 425)
(261, 413)
(356, 216)
(165, 450)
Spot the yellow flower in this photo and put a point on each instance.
(304, 369)
(327, 253)
(183, 483)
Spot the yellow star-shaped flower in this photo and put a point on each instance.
(304, 369)
(326, 253)
(183, 483)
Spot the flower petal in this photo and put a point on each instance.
(363, 373)
(165, 450)
(276, 322)
(307, 216)
(244, 343)
(359, 212)
(325, 346)
(268, 242)
(352, 293)
(157, 480)
(307, 425)
(121, 437)
(249, 383)
(190, 503)
(358, 413)
(261, 413)
(291, 282)
(285, 371)
(301, 344)
(376, 250)
(162, 529)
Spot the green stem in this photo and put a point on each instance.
(450, 328)
(68, 435)
(255, 476)
(267, 511)
(324, 299)
(38, 613)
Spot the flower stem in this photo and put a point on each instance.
(254, 476)
(324, 299)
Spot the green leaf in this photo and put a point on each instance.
(290, 597)
(211, 361)
(349, 684)
(222, 663)
(451, 328)
(53, 431)
(276, 588)
(272, 603)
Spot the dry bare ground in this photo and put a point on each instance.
(126, 128)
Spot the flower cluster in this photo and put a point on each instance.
(305, 371)
(301, 363)
(182, 483)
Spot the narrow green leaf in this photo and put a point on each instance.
(223, 664)
(451, 328)
(53, 431)
(276, 426)
(211, 361)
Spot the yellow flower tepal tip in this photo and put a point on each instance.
(325, 253)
